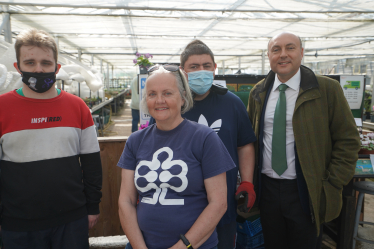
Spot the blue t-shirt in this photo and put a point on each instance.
(170, 169)
(226, 115)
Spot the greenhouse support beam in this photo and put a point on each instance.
(5, 25)
(221, 37)
(93, 6)
(291, 19)
(80, 54)
(222, 55)
(107, 75)
(263, 63)
(303, 43)
(101, 73)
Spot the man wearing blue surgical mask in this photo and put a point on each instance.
(226, 114)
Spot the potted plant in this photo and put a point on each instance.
(93, 101)
(367, 144)
(143, 61)
(86, 100)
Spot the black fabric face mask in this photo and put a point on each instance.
(39, 82)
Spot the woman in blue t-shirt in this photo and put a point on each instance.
(176, 168)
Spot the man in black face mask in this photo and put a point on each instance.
(37, 63)
(49, 155)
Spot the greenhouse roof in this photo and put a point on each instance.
(237, 31)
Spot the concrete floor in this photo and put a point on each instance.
(120, 122)
(121, 126)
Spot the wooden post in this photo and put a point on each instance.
(111, 149)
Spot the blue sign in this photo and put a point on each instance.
(144, 117)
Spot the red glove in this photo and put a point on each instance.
(247, 190)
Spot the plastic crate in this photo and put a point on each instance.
(249, 242)
(250, 228)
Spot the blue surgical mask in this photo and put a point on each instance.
(200, 81)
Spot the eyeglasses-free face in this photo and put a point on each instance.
(199, 62)
(285, 55)
(164, 100)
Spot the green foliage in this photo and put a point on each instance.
(143, 60)
(370, 146)
(367, 102)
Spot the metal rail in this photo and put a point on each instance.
(95, 6)
(101, 105)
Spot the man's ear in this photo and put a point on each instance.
(15, 64)
(58, 68)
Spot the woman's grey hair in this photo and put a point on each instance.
(182, 85)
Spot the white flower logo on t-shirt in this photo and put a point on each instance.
(164, 177)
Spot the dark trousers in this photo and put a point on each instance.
(128, 246)
(73, 235)
(226, 236)
(135, 119)
(285, 225)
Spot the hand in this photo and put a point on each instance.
(247, 190)
(92, 220)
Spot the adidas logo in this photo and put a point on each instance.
(216, 126)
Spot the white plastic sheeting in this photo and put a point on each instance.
(78, 73)
(114, 30)
(62, 75)
(9, 80)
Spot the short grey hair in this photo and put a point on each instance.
(182, 85)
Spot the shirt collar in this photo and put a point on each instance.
(293, 83)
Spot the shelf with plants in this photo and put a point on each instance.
(90, 102)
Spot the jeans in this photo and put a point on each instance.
(135, 119)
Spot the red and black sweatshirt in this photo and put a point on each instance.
(50, 161)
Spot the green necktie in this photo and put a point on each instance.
(279, 157)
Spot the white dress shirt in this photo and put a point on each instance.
(291, 95)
